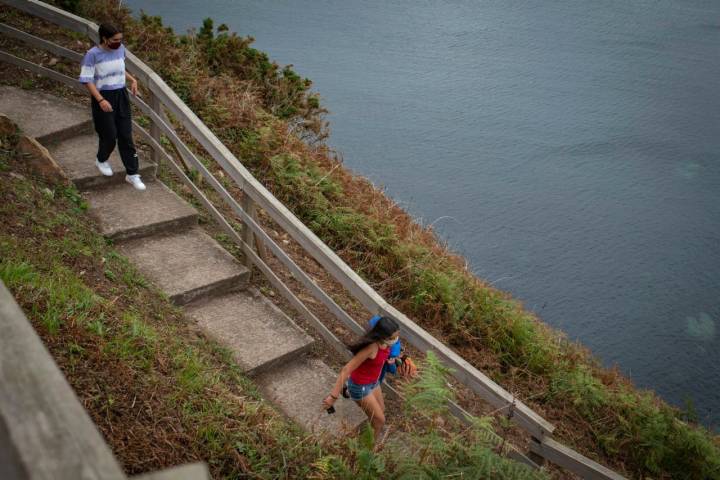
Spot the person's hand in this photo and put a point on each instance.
(328, 402)
(133, 87)
(105, 106)
(408, 368)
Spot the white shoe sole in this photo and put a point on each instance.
(141, 187)
(104, 172)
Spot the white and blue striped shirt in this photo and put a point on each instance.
(104, 68)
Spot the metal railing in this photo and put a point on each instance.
(255, 195)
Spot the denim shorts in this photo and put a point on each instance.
(359, 391)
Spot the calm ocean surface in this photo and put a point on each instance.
(570, 149)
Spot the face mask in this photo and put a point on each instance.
(390, 341)
(114, 45)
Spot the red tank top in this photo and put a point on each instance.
(369, 370)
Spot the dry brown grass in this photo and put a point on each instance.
(234, 109)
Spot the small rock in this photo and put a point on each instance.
(53, 61)
(48, 193)
(17, 176)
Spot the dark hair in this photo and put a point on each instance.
(106, 31)
(383, 329)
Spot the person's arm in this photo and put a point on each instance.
(395, 351)
(391, 365)
(133, 83)
(104, 104)
(87, 75)
(349, 367)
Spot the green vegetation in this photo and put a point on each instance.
(424, 280)
(271, 120)
(226, 58)
(111, 330)
(161, 394)
(439, 452)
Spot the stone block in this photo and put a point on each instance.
(258, 333)
(77, 157)
(39, 160)
(124, 213)
(299, 388)
(187, 266)
(44, 116)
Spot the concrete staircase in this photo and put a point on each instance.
(158, 232)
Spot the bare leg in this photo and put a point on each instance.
(377, 393)
(374, 412)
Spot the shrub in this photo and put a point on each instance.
(430, 451)
(403, 260)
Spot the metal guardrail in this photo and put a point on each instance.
(256, 195)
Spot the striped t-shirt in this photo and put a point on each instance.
(104, 68)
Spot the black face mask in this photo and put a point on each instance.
(114, 45)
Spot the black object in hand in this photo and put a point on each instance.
(331, 409)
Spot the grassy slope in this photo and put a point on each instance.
(596, 409)
(162, 394)
(226, 83)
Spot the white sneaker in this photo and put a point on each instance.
(104, 168)
(135, 181)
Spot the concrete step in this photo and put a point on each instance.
(298, 389)
(125, 213)
(46, 117)
(77, 158)
(187, 266)
(259, 334)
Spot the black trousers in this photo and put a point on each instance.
(115, 127)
